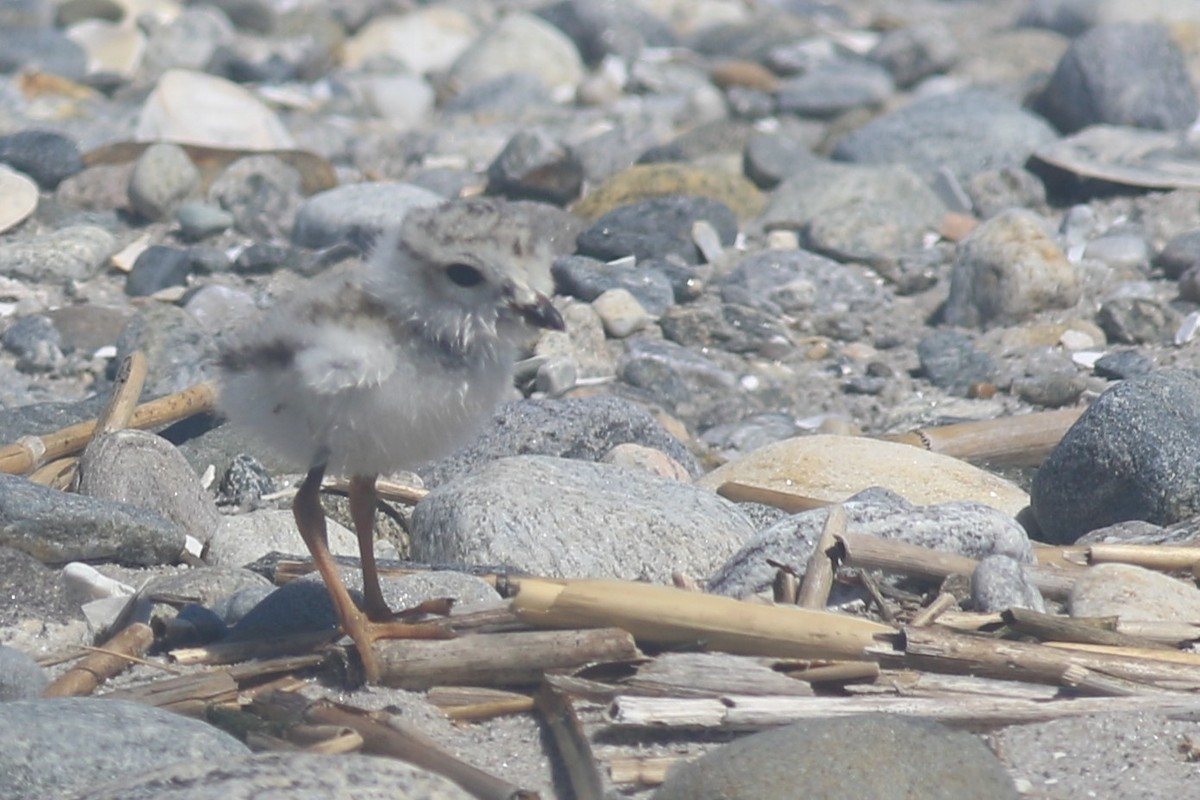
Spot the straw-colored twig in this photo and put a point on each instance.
(1021, 440)
(818, 575)
(100, 665)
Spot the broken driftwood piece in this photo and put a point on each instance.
(669, 617)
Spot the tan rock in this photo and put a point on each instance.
(196, 108)
(647, 181)
(18, 198)
(1133, 593)
(832, 468)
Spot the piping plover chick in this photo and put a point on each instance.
(379, 369)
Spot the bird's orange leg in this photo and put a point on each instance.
(310, 520)
(362, 511)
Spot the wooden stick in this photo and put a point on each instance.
(1066, 629)
(31, 451)
(127, 390)
(785, 501)
(232, 652)
(940, 605)
(572, 743)
(943, 651)
(1023, 440)
(499, 659)
(641, 770)
(872, 552)
(667, 616)
(96, 668)
(838, 673)
(975, 713)
(818, 573)
(1163, 557)
(387, 735)
(1147, 653)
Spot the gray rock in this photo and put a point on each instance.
(907, 758)
(615, 27)
(566, 518)
(835, 88)
(219, 308)
(1179, 254)
(1125, 252)
(43, 595)
(729, 327)
(583, 428)
(162, 176)
(1131, 319)
(243, 538)
(588, 278)
(296, 607)
(295, 775)
(1132, 593)
(1122, 364)
(145, 470)
(732, 439)
(536, 166)
(58, 746)
(770, 158)
(951, 360)
(246, 481)
(1001, 582)
(188, 41)
(915, 52)
(263, 193)
(678, 377)
(994, 191)
(841, 207)
(199, 220)
(21, 678)
(520, 43)
(206, 585)
(966, 132)
(1068, 17)
(1008, 269)
(74, 253)
(47, 156)
(262, 258)
(158, 267)
(966, 528)
(89, 327)
(56, 527)
(511, 95)
(41, 49)
(802, 284)
(656, 228)
(1132, 455)
(179, 351)
(356, 212)
(1121, 74)
(36, 343)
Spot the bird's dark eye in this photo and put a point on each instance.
(464, 275)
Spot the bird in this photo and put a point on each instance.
(392, 363)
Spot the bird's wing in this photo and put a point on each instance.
(340, 358)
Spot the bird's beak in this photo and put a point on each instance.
(534, 307)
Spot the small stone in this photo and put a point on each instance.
(1137, 320)
(48, 746)
(36, 343)
(832, 468)
(834, 88)
(1009, 269)
(621, 313)
(179, 351)
(242, 538)
(145, 470)
(46, 156)
(908, 758)
(951, 360)
(588, 278)
(262, 258)
(246, 481)
(356, 212)
(157, 268)
(1132, 455)
(162, 176)
(1121, 74)
(649, 181)
(966, 528)
(535, 166)
(1000, 583)
(913, 53)
(198, 220)
(1181, 253)
(196, 108)
(521, 42)
(424, 40)
(556, 376)
(41, 49)
(112, 49)
(1132, 593)
(262, 192)
(56, 527)
(581, 428)
(647, 459)
(1122, 364)
(656, 229)
(73, 253)
(21, 678)
(538, 514)
(18, 199)
(1129, 253)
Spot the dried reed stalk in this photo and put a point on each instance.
(1023, 440)
(818, 573)
(666, 616)
(94, 669)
